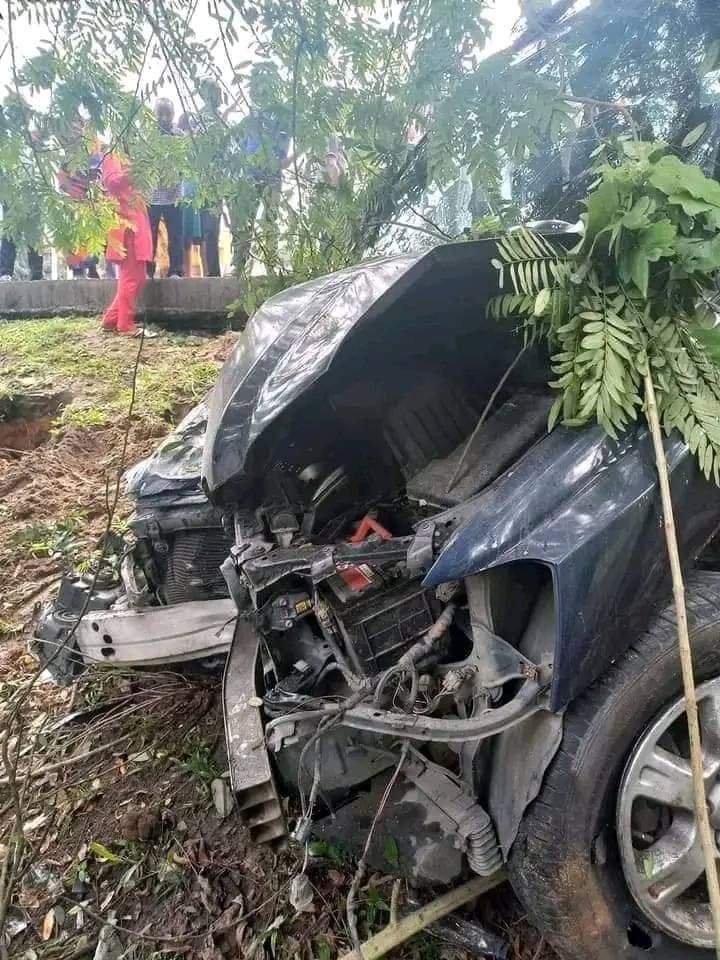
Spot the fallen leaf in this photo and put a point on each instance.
(35, 823)
(207, 895)
(14, 926)
(102, 853)
(301, 894)
(109, 946)
(48, 925)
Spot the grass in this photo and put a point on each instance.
(199, 763)
(171, 373)
(58, 539)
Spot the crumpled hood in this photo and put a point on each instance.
(174, 466)
(287, 345)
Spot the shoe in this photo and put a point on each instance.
(5, 278)
(133, 331)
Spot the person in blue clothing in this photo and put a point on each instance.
(192, 231)
(264, 142)
(163, 204)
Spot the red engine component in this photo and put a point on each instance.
(361, 577)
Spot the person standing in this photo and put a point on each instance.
(164, 200)
(8, 253)
(129, 245)
(75, 183)
(211, 113)
(191, 218)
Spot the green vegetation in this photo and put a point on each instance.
(322, 850)
(59, 539)
(65, 351)
(635, 296)
(199, 762)
(389, 103)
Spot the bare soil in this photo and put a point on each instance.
(116, 771)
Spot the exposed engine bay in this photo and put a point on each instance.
(325, 578)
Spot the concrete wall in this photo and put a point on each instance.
(196, 301)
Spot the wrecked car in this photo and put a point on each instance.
(388, 549)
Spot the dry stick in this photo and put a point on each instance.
(49, 767)
(691, 707)
(350, 911)
(395, 902)
(395, 934)
(483, 418)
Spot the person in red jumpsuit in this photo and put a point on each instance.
(129, 245)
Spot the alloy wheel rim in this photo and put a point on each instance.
(657, 832)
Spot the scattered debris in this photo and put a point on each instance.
(109, 946)
(301, 894)
(222, 797)
(395, 934)
(140, 824)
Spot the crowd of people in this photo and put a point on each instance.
(192, 231)
(167, 204)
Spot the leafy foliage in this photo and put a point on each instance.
(660, 57)
(634, 295)
(400, 87)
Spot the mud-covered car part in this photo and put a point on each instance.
(432, 820)
(116, 633)
(250, 773)
(474, 827)
(53, 639)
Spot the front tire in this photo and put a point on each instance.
(566, 864)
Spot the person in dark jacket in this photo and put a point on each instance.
(8, 253)
(163, 204)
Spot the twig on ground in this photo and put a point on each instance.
(395, 934)
(362, 862)
(76, 758)
(539, 948)
(395, 901)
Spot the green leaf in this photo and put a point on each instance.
(602, 206)
(690, 205)
(692, 138)
(102, 853)
(555, 411)
(657, 241)
(672, 177)
(542, 302)
(639, 215)
(640, 270)
(392, 852)
(593, 342)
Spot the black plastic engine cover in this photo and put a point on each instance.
(501, 440)
(381, 623)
